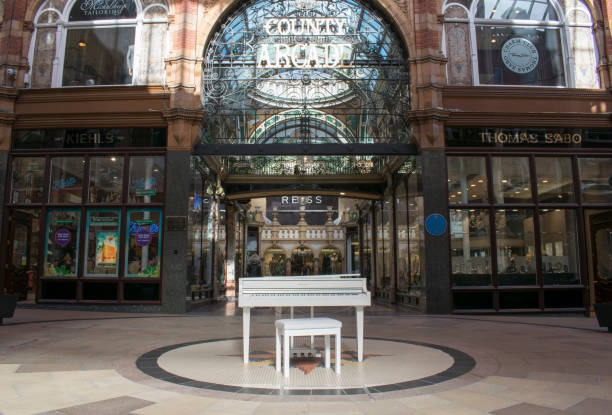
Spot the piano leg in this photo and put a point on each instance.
(311, 337)
(246, 333)
(359, 320)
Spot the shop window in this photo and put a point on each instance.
(105, 43)
(555, 179)
(146, 180)
(28, 180)
(596, 179)
(143, 243)
(516, 263)
(511, 180)
(520, 42)
(66, 180)
(470, 247)
(62, 243)
(105, 179)
(103, 242)
(558, 229)
(467, 180)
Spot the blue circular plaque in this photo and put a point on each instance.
(435, 224)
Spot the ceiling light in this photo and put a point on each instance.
(505, 181)
(544, 181)
(472, 185)
(481, 181)
(113, 158)
(517, 192)
(525, 188)
(493, 40)
(342, 193)
(81, 43)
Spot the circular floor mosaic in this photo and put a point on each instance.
(388, 365)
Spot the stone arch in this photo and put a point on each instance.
(220, 10)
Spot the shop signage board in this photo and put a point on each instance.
(527, 137)
(57, 138)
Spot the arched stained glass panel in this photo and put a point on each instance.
(336, 58)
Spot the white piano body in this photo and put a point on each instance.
(339, 290)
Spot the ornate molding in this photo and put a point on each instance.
(186, 114)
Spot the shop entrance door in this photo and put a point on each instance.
(601, 234)
(22, 253)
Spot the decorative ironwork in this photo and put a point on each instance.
(304, 165)
(308, 72)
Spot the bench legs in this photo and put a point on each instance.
(285, 349)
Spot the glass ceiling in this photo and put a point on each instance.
(305, 71)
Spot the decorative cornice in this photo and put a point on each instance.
(7, 117)
(429, 114)
(428, 58)
(524, 92)
(101, 120)
(111, 93)
(566, 119)
(8, 92)
(190, 114)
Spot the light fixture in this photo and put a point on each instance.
(342, 194)
(505, 181)
(493, 40)
(458, 193)
(472, 185)
(481, 181)
(474, 195)
(113, 158)
(156, 170)
(517, 11)
(545, 181)
(517, 192)
(81, 43)
(525, 188)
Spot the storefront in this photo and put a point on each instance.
(84, 215)
(527, 208)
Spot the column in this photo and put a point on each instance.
(437, 268)
(231, 211)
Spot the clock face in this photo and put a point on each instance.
(520, 55)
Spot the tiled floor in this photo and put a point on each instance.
(82, 362)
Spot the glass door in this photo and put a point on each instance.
(23, 244)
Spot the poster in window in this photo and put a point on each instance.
(106, 248)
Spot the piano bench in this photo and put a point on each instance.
(322, 326)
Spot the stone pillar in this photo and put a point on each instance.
(437, 268)
(230, 243)
(183, 127)
(176, 242)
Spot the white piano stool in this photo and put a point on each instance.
(322, 326)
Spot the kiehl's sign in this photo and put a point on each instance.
(526, 137)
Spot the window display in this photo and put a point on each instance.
(516, 263)
(146, 180)
(105, 179)
(511, 179)
(143, 243)
(62, 243)
(28, 180)
(470, 247)
(555, 179)
(596, 179)
(66, 180)
(559, 247)
(467, 180)
(103, 241)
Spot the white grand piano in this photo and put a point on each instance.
(340, 290)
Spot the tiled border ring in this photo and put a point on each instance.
(463, 364)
